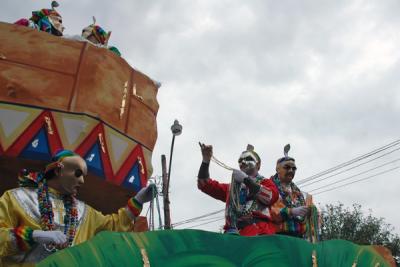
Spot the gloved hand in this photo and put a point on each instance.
(49, 237)
(301, 211)
(238, 175)
(146, 193)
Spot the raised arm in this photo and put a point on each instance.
(204, 183)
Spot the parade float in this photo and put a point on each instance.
(58, 93)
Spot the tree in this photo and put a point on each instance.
(339, 222)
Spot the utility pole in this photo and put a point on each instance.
(176, 130)
(167, 214)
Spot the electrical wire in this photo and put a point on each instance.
(347, 163)
(205, 223)
(335, 174)
(355, 175)
(197, 218)
(203, 220)
(356, 181)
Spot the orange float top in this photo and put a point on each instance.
(60, 93)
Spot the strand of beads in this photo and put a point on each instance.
(70, 218)
(47, 215)
(45, 207)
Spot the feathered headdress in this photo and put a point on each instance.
(99, 34)
(250, 152)
(286, 155)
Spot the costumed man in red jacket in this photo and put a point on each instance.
(247, 198)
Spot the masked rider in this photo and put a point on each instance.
(247, 198)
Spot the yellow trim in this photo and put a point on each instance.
(33, 113)
(58, 118)
(117, 162)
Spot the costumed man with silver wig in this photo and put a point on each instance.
(47, 20)
(43, 214)
(248, 197)
(290, 212)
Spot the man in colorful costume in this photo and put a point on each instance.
(247, 198)
(96, 35)
(43, 215)
(290, 212)
(47, 20)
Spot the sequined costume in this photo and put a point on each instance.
(19, 215)
(254, 217)
(289, 197)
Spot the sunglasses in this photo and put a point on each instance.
(246, 159)
(78, 173)
(294, 168)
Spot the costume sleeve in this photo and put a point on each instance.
(14, 238)
(284, 222)
(122, 221)
(268, 193)
(290, 224)
(213, 188)
(204, 171)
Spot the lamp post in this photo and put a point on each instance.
(176, 130)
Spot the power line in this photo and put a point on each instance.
(355, 175)
(202, 220)
(351, 168)
(205, 223)
(347, 163)
(359, 180)
(197, 218)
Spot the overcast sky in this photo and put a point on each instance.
(320, 75)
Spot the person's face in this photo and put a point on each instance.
(248, 163)
(286, 171)
(70, 176)
(56, 21)
(87, 33)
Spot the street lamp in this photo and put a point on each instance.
(176, 130)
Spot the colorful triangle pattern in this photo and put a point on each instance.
(109, 154)
(93, 160)
(119, 147)
(38, 147)
(13, 121)
(133, 179)
(73, 128)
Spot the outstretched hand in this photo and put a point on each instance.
(301, 211)
(146, 194)
(206, 152)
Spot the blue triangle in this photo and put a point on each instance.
(38, 147)
(132, 180)
(93, 160)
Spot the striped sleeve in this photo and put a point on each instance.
(23, 237)
(268, 193)
(264, 196)
(134, 207)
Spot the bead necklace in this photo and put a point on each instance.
(47, 215)
(295, 199)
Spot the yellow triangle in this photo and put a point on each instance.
(73, 128)
(14, 120)
(119, 147)
(147, 157)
